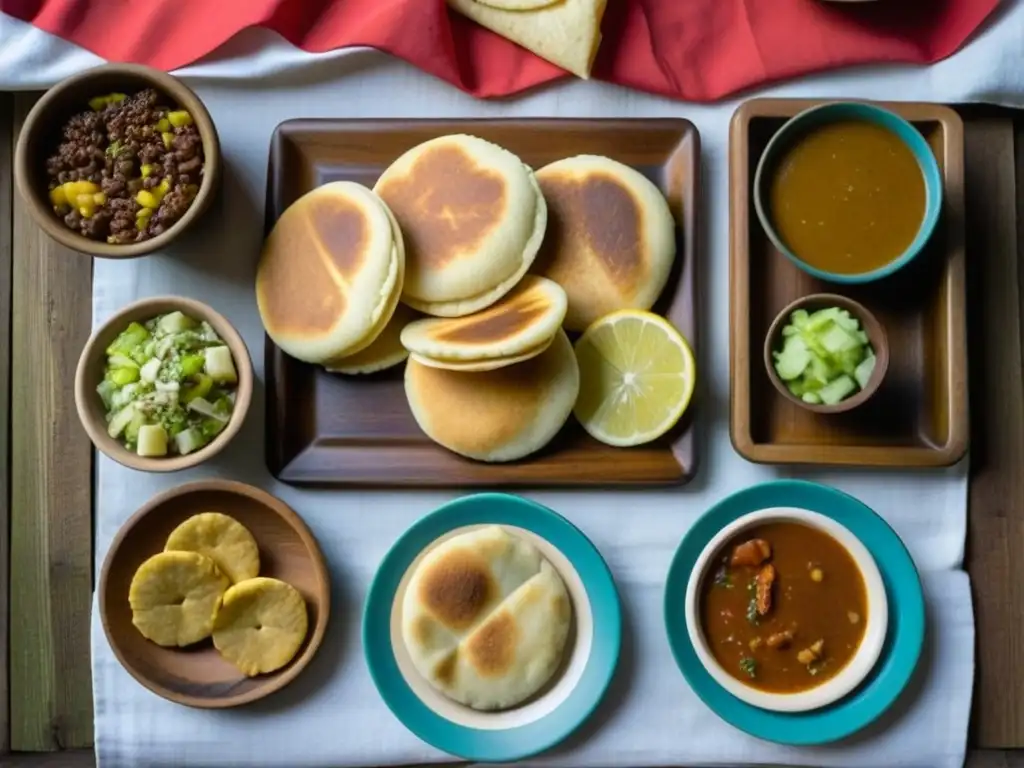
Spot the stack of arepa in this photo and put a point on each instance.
(331, 274)
(468, 263)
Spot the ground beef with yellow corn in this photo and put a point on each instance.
(127, 169)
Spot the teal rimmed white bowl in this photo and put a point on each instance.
(591, 654)
(904, 635)
(876, 618)
(805, 121)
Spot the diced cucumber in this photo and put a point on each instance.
(189, 440)
(863, 372)
(204, 407)
(201, 388)
(793, 360)
(836, 390)
(117, 360)
(120, 420)
(106, 390)
(837, 340)
(175, 322)
(152, 440)
(219, 365)
(121, 376)
(821, 319)
(130, 338)
(150, 370)
(210, 428)
(223, 406)
(191, 365)
(131, 432)
(825, 355)
(820, 371)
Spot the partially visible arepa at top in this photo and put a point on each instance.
(565, 32)
(330, 273)
(523, 321)
(472, 218)
(496, 415)
(485, 618)
(610, 238)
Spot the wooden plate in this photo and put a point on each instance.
(332, 430)
(919, 415)
(197, 676)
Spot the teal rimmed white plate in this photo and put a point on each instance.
(592, 651)
(904, 637)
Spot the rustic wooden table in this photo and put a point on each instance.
(46, 568)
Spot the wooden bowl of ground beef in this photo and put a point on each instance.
(118, 161)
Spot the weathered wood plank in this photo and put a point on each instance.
(995, 759)
(81, 758)
(996, 503)
(51, 502)
(6, 224)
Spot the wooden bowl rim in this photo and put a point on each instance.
(85, 389)
(272, 504)
(871, 326)
(161, 81)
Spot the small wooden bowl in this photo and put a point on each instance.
(41, 134)
(870, 325)
(198, 676)
(90, 373)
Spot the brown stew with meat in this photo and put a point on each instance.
(783, 607)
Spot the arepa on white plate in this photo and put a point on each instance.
(566, 33)
(472, 217)
(611, 237)
(485, 618)
(524, 320)
(499, 415)
(330, 273)
(386, 351)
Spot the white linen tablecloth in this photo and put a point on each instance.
(331, 715)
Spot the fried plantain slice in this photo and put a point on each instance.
(260, 625)
(222, 539)
(174, 597)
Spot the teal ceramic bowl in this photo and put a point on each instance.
(905, 629)
(590, 658)
(812, 118)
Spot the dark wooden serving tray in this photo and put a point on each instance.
(919, 415)
(331, 430)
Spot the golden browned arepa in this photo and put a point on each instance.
(490, 364)
(386, 350)
(610, 240)
(565, 32)
(523, 321)
(498, 415)
(472, 218)
(485, 618)
(331, 272)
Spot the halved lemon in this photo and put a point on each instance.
(636, 377)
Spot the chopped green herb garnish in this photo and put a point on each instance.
(749, 666)
(114, 148)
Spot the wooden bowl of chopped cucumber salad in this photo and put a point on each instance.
(164, 384)
(826, 353)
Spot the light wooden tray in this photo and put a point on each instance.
(919, 415)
